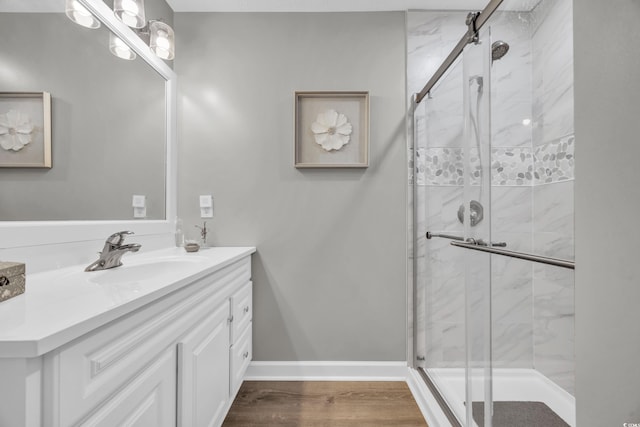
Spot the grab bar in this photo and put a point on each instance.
(520, 255)
(473, 241)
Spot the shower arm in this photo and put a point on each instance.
(471, 240)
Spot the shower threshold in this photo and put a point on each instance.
(509, 385)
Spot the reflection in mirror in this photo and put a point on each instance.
(107, 122)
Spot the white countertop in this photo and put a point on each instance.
(59, 306)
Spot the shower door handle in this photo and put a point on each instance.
(431, 235)
(477, 242)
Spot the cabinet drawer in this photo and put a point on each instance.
(241, 355)
(241, 310)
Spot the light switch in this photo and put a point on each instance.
(206, 206)
(139, 204)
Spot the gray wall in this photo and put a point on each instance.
(329, 275)
(607, 201)
(108, 138)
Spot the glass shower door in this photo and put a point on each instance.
(476, 213)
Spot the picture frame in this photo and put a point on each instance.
(331, 130)
(25, 129)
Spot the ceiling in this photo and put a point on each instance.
(339, 5)
(288, 5)
(318, 5)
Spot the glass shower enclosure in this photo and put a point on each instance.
(493, 212)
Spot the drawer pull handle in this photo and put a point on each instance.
(245, 355)
(246, 309)
(230, 319)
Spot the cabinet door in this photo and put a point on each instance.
(147, 401)
(203, 371)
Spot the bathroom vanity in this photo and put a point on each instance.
(163, 340)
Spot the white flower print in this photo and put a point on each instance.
(16, 130)
(332, 130)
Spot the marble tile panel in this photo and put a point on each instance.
(554, 318)
(512, 345)
(447, 349)
(552, 40)
(553, 207)
(430, 37)
(441, 205)
(445, 296)
(511, 290)
(553, 220)
(509, 125)
(553, 244)
(511, 81)
(445, 112)
(511, 210)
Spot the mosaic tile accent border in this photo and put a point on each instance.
(511, 166)
(440, 166)
(554, 161)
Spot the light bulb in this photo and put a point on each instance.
(131, 12)
(130, 7)
(162, 40)
(120, 48)
(80, 15)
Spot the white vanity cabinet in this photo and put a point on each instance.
(176, 361)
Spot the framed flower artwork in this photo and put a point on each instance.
(331, 130)
(25, 130)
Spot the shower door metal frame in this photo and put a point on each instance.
(475, 21)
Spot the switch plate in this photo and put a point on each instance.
(139, 203)
(206, 206)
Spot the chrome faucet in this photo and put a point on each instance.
(113, 251)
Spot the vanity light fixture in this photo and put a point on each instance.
(120, 48)
(80, 15)
(162, 40)
(131, 12)
(158, 35)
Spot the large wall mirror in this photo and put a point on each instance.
(112, 128)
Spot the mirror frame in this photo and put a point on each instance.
(14, 234)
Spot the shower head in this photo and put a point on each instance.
(499, 49)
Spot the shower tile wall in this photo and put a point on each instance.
(532, 189)
(553, 142)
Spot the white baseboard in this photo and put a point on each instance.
(327, 371)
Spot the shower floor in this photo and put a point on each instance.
(521, 414)
(509, 385)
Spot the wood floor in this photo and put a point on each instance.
(324, 403)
